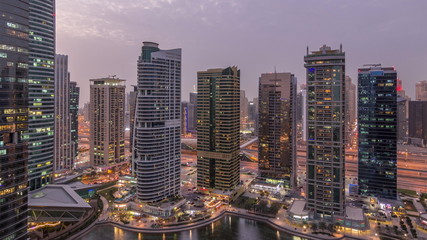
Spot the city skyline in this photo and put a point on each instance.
(85, 29)
(194, 142)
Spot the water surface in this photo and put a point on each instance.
(229, 227)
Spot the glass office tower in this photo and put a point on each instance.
(41, 92)
(377, 120)
(13, 118)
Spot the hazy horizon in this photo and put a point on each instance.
(104, 37)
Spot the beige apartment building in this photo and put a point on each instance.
(107, 133)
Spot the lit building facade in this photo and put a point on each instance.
(350, 108)
(326, 132)
(41, 92)
(377, 120)
(218, 129)
(63, 151)
(14, 32)
(157, 134)
(107, 122)
(74, 112)
(277, 127)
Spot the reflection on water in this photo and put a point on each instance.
(228, 227)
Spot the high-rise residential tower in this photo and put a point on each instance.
(350, 108)
(132, 107)
(218, 128)
(157, 133)
(14, 31)
(377, 113)
(107, 121)
(277, 127)
(64, 147)
(418, 120)
(421, 91)
(192, 113)
(244, 107)
(326, 132)
(184, 117)
(74, 112)
(41, 92)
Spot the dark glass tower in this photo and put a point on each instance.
(13, 118)
(377, 119)
(418, 120)
(74, 112)
(41, 92)
(277, 127)
(326, 132)
(218, 128)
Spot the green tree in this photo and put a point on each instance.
(313, 227)
(322, 226)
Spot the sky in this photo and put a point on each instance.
(104, 37)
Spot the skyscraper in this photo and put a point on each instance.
(244, 106)
(41, 92)
(14, 118)
(377, 131)
(132, 107)
(277, 127)
(64, 147)
(157, 140)
(107, 121)
(402, 112)
(74, 112)
(350, 108)
(184, 115)
(418, 120)
(402, 121)
(421, 91)
(218, 135)
(192, 113)
(326, 131)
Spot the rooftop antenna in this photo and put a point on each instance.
(307, 49)
(341, 48)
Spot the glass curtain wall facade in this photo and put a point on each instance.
(13, 118)
(157, 130)
(41, 92)
(218, 129)
(326, 132)
(277, 127)
(377, 120)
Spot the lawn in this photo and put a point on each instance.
(108, 193)
(408, 192)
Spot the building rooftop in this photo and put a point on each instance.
(56, 196)
(354, 213)
(298, 208)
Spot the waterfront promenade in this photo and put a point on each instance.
(276, 223)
